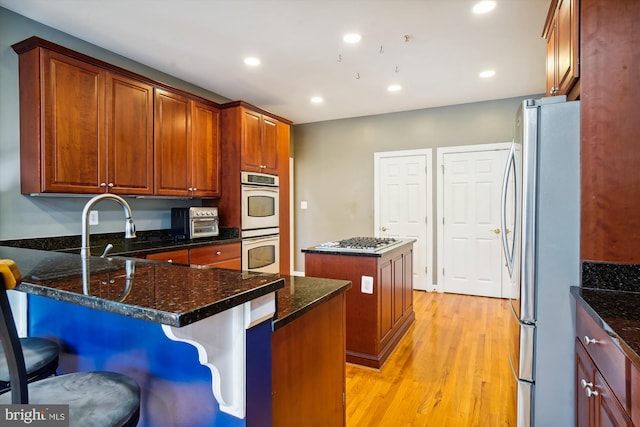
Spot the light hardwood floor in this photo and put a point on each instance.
(450, 369)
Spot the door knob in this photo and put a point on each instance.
(508, 231)
(383, 228)
(497, 231)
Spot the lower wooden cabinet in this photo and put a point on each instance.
(603, 377)
(179, 257)
(308, 368)
(220, 256)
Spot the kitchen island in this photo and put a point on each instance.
(197, 340)
(379, 307)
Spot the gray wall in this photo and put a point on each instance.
(25, 216)
(333, 161)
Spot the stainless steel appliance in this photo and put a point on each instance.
(358, 244)
(194, 222)
(260, 222)
(541, 204)
(261, 253)
(259, 201)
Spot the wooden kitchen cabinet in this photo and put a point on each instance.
(259, 142)
(561, 33)
(375, 321)
(603, 395)
(226, 255)
(180, 256)
(90, 127)
(186, 146)
(82, 126)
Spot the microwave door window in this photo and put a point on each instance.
(261, 256)
(261, 206)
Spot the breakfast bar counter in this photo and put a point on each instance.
(197, 339)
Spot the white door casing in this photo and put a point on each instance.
(470, 257)
(403, 205)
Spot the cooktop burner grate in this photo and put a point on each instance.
(359, 244)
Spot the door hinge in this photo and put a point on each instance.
(443, 220)
(425, 270)
(442, 168)
(443, 271)
(344, 399)
(426, 220)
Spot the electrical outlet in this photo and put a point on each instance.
(94, 219)
(366, 286)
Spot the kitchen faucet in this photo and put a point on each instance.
(129, 226)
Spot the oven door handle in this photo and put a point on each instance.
(260, 239)
(247, 189)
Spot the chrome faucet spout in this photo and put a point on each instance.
(129, 226)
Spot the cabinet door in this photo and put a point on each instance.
(171, 157)
(269, 146)
(251, 151)
(398, 288)
(407, 283)
(567, 45)
(385, 300)
(585, 371)
(74, 143)
(552, 74)
(609, 413)
(129, 136)
(205, 149)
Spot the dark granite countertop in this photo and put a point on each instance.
(377, 253)
(618, 313)
(301, 294)
(160, 292)
(146, 242)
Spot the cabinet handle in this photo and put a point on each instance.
(110, 185)
(218, 253)
(169, 260)
(194, 189)
(590, 392)
(103, 184)
(588, 340)
(584, 384)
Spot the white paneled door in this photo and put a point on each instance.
(403, 205)
(472, 186)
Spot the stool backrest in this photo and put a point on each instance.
(12, 350)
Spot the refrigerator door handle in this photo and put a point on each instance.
(509, 252)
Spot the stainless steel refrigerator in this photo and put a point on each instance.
(541, 246)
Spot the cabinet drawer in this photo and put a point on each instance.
(179, 257)
(609, 359)
(214, 254)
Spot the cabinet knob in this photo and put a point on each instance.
(194, 189)
(103, 184)
(169, 260)
(588, 340)
(218, 253)
(110, 185)
(496, 231)
(590, 392)
(585, 384)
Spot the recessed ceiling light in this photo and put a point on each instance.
(394, 88)
(351, 38)
(317, 99)
(486, 74)
(484, 6)
(252, 61)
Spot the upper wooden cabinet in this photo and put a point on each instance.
(259, 142)
(186, 146)
(561, 33)
(88, 127)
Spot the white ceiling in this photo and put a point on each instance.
(300, 42)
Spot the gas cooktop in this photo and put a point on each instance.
(359, 244)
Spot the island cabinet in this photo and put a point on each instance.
(561, 33)
(186, 146)
(180, 256)
(377, 318)
(603, 375)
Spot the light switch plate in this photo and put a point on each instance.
(94, 219)
(366, 286)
